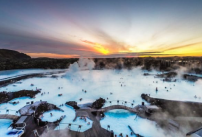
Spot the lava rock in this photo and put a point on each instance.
(99, 103)
(7, 96)
(44, 107)
(73, 104)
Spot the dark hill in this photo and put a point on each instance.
(11, 54)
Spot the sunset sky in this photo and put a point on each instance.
(102, 28)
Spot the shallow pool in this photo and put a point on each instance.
(4, 125)
(69, 116)
(119, 120)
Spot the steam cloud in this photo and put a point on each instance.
(82, 64)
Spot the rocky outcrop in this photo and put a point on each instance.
(99, 103)
(11, 54)
(26, 63)
(176, 108)
(16, 79)
(191, 77)
(72, 104)
(167, 75)
(7, 96)
(44, 107)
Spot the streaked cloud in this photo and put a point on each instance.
(102, 28)
(183, 46)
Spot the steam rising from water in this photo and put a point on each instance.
(122, 84)
(60, 133)
(82, 64)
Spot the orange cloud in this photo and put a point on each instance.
(51, 55)
(98, 47)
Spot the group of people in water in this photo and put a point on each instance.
(61, 105)
(121, 135)
(84, 91)
(167, 89)
(14, 102)
(43, 93)
(41, 116)
(122, 83)
(60, 87)
(59, 95)
(197, 97)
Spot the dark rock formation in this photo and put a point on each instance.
(26, 76)
(167, 75)
(23, 93)
(176, 108)
(44, 107)
(7, 96)
(15, 79)
(44, 63)
(191, 77)
(11, 54)
(72, 104)
(99, 103)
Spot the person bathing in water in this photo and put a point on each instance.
(14, 103)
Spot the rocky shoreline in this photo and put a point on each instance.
(5, 97)
(26, 76)
(176, 108)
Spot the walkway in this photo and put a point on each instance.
(8, 116)
(117, 107)
(95, 131)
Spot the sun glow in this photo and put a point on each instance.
(98, 47)
(101, 49)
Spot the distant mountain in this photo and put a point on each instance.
(11, 54)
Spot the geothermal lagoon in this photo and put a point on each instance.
(86, 85)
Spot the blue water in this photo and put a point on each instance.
(119, 120)
(100, 83)
(4, 125)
